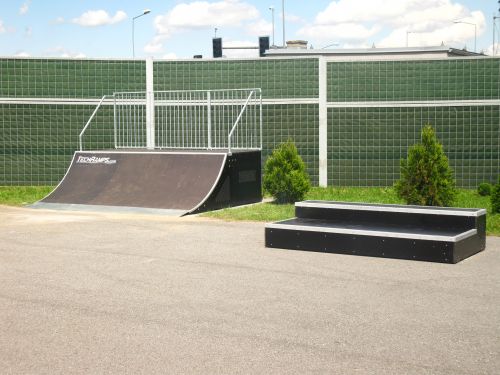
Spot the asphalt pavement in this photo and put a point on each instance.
(102, 293)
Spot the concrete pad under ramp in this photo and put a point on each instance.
(174, 183)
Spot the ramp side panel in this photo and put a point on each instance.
(151, 180)
(239, 183)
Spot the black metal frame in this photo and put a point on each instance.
(240, 182)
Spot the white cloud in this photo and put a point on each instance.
(6, 29)
(348, 11)
(154, 46)
(73, 55)
(365, 22)
(25, 8)
(434, 33)
(58, 21)
(292, 18)
(289, 17)
(394, 12)
(489, 51)
(357, 45)
(94, 18)
(202, 14)
(22, 54)
(198, 15)
(260, 28)
(61, 51)
(169, 56)
(347, 32)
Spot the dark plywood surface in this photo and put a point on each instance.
(156, 180)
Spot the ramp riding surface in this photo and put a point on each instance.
(180, 182)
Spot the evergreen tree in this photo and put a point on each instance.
(426, 177)
(285, 176)
(495, 198)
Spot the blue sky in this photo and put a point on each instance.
(183, 28)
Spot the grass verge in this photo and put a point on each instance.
(22, 195)
(272, 212)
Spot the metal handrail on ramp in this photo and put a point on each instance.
(185, 119)
(80, 136)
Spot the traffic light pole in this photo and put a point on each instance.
(262, 47)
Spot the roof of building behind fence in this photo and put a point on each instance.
(374, 52)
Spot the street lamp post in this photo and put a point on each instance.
(475, 29)
(146, 11)
(495, 28)
(272, 16)
(283, 10)
(408, 33)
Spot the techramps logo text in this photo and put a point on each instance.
(94, 160)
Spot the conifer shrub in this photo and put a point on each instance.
(285, 176)
(484, 189)
(495, 198)
(426, 177)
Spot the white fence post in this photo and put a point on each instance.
(150, 105)
(209, 121)
(323, 124)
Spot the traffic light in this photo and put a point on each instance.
(217, 47)
(263, 45)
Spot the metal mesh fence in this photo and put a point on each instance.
(376, 111)
(38, 141)
(414, 80)
(69, 78)
(366, 144)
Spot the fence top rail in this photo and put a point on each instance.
(185, 91)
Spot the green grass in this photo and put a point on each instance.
(22, 195)
(257, 212)
(272, 212)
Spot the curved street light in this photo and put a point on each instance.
(475, 28)
(146, 11)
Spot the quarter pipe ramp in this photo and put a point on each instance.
(177, 183)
